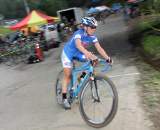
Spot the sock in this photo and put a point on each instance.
(64, 95)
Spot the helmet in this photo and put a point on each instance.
(89, 21)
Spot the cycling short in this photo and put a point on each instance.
(67, 63)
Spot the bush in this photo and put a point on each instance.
(148, 23)
(151, 45)
(4, 31)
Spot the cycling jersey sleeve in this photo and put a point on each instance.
(77, 36)
(95, 40)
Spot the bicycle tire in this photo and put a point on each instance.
(114, 107)
(58, 88)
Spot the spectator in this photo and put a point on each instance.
(59, 31)
(65, 20)
(127, 12)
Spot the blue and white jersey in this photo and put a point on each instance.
(70, 48)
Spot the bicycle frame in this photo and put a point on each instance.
(88, 68)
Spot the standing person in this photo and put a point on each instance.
(59, 31)
(127, 13)
(76, 48)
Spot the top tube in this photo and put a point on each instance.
(87, 65)
(84, 66)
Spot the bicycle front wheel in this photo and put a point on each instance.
(98, 101)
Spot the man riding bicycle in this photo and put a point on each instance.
(76, 48)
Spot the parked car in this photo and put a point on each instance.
(48, 27)
(10, 22)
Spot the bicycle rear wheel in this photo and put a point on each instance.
(59, 87)
(98, 101)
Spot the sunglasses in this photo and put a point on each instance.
(92, 27)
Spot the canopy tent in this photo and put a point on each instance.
(56, 19)
(33, 29)
(34, 18)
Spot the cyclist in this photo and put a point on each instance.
(76, 48)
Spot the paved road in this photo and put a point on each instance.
(27, 91)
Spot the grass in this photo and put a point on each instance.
(150, 78)
(144, 25)
(148, 23)
(151, 88)
(150, 91)
(151, 45)
(4, 30)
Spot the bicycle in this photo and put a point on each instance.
(92, 90)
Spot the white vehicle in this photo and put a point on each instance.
(71, 14)
(50, 32)
(11, 22)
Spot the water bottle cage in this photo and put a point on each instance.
(81, 76)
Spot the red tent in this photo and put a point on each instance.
(34, 18)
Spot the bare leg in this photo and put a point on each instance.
(66, 79)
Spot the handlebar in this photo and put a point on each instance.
(107, 65)
(94, 63)
(100, 61)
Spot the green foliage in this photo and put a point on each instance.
(10, 9)
(110, 2)
(51, 6)
(156, 6)
(16, 8)
(151, 45)
(77, 3)
(150, 81)
(150, 6)
(149, 23)
(4, 31)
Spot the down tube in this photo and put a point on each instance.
(81, 84)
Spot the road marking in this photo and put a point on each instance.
(123, 75)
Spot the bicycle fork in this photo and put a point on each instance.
(94, 90)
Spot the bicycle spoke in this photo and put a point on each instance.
(97, 101)
(59, 88)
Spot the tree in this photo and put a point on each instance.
(151, 5)
(11, 9)
(16, 8)
(156, 5)
(51, 6)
